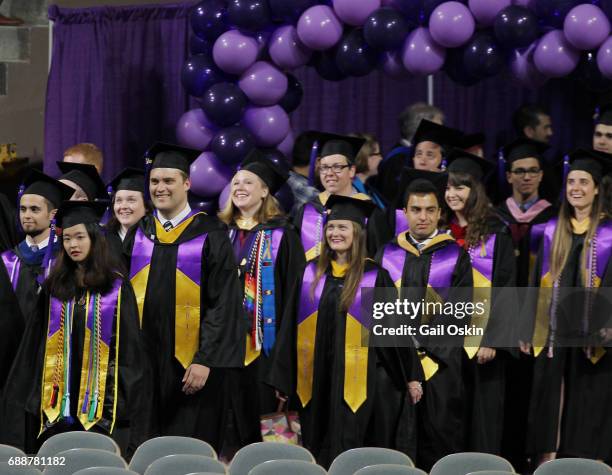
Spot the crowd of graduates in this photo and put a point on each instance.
(142, 316)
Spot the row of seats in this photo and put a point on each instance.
(85, 453)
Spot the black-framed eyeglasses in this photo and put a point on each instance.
(521, 172)
(336, 168)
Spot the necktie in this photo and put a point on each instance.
(34, 248)
(168, 226)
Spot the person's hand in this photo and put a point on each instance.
(280, 396)
(525, 347)
(195, 378)
(415, 389)
(485, 355)
(606, 335)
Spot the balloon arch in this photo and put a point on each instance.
(242, 52)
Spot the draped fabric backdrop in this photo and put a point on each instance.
(115, 81)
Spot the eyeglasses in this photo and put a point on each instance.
(336, 168)
(521, 172)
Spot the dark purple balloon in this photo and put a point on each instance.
(277, 157)
(224, 103)
(430, 5)
(553, 12)
(325, 64)
(208, 206)
(285, 197)
(249, 15)
(411, 9)
(231, 145)
(354, 56)
(385, 29)
(293, 97)
(289, 11)
(208, 19)
(483, 56)
(587, 73)
(199, 46)
(516, 27)
(199, 73)
(455, 68)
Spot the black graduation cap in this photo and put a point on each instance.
(472, 140)
(597, 164)
(333, 144)
(37, 183)
(86, 176)
(352, 209)
(272, 175)
(431, 132)
(524, 148)
(166, 155)
(604, 114)
(71, 213)
(460, 161)
(132, 179)
(411, 177)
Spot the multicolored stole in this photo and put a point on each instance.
(187, 278)
(13, 264)
(259, 292)
(355, 354)
(98, 389)
(439, 278)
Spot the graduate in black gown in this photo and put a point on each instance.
(84, 179)
(420, 258)
(349, 395)
(572, 390)
(184, 274)
(269, 252)
(80, 365)
(487, 241)
(8, 234)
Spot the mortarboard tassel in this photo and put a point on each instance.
(40, 278)
(566, 167)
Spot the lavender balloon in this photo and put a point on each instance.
(604, 58)
(451, 24)
(319, 28)
(269, 125)
(355, 12)
(234, 52)
(485, 11)
(194, 130)
(554, 56)
(523, 69)
(586, 27)
(208, 175)
(393, 66)
(421, 55)
(225, 195)
(263, 84)
(286, 146)
(286, 49)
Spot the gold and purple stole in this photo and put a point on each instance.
(355, 353)
(536, 233)
(96, 400)
(13, 264)
(188, 282)
(439, 279)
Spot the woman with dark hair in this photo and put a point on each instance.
(366, 163)
(349, 395)
(572, 391)
(474, 226)
(82, 348)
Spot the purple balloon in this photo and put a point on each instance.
(208, 19)
(485, 11)
(393, 66)
(198, 74)
(525, 3)
(286, 49)
(194, 130)
(263, 84)
(208, 175)
(225, 194)
(523, 69)
(586, 27)
(208, 206)
(554, 56)
(451, 24)
(234, 52)
(604, 58)
(421, 55)
(286, 146)
(319, 28)
(232, 145)
(269, 125)
(355, 12)
(285, 197)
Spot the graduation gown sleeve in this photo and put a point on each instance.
(11, 325)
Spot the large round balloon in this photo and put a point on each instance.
(194, 130)
(319, 28)
(234, 52)
(269, 125)
(286, 49)
(285, 197)
(393, 66)
(411, 9)
(231, 145)
(451, 24)
(485, 11)
(586, 27)
(208, 19)
(249, 15)
(553, 12)
(224, 103)
(604, 58)
(293, 97)
(207, 206)
(354, 12)
(263, 84)
(225, 195)
(456, 70)
(354, 56)
(589, 74)
(208, 175)
(523, 69)
(276, 157)
(199, 73)
(483, 56)
(554, 56)
(385, 29)
(289, 11)
(421, 54)
(286, 146)
(325, 65)
(199, 46)
(516, 27)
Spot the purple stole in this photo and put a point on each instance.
(355, 351)
(13, 264)
(311, 232)
(401, 223)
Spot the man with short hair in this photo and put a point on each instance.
(534, 122)
(84, 179)
(602, 135)
(87, 153)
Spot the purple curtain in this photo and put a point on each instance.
(115, 80)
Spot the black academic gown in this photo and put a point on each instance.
(329, 426)
(12, 325)
(222, 329)
(21, 407)
(8, 233)
(381, 228)
(389, 171)
(248, 395)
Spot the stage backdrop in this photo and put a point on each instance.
(115, 81)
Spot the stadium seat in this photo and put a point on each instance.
(573, 466)
(347, 463)
(181, 464)
(389, 469)
(252, 455)
(467, 462)
(293, 467)
(77, 440)
(77, 459)
(153, 449)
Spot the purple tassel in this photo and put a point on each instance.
(314, 151)
(566, 167)
(85, 402)
(17, 219)
(444, 164)
(148, 165)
